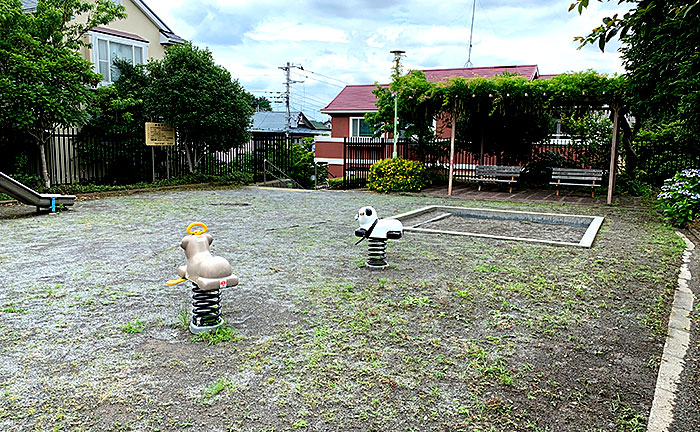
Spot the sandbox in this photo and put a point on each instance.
(549, 228)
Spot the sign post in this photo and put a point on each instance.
(157, 135)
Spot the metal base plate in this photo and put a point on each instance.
(195, 329)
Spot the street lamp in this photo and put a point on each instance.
(396, 74)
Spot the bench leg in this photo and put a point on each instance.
(593, 190)
(511, 185)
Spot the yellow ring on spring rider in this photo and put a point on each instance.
(196, 224)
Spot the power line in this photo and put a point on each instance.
(321, 81)
(311, 104)
(320, 101)
(326, 76)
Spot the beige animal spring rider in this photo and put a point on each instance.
(208, 274)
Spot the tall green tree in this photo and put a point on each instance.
(199, 99)
(660, 40)
(44, 82)
(118, 114)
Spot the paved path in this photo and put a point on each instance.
(495, 193)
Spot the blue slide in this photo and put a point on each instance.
(22, 193)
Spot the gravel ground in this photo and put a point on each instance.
(456, 334)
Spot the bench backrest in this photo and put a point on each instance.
(577, 174)
(497, 171)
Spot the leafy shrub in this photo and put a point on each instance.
(335, 183)
(680, 197)
(627, 184)
(538, 171)
(397, 175)
(232, 178)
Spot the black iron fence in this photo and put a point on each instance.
(359, 153)
(659, 161)
(75, 158)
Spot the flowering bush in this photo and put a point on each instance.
(396, 175)
(680, 197)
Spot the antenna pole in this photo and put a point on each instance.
(471, 33)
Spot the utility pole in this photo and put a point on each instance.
(288, 82)
(396, 73)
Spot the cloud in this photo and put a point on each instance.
(351, 39)
(289, 31)
(213, 24)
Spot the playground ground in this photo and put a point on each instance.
(458, 333)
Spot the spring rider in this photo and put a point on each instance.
(208, 274)
(376, 231)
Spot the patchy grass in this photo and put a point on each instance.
(456, 334)
(136, 326)
(223, 333)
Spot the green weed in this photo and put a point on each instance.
(221, 334)
(136, 326)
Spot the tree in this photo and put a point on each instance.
(44, 82)
(117, 114)
(660, 40)
(419, 105)
(199, 99)
(261, 103)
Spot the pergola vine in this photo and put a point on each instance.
(479, 106)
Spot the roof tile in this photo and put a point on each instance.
(360, 97)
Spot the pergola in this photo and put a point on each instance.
(479, 98)
(613, 153)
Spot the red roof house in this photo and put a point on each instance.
(347, 110)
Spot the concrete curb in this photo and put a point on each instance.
(675, 349)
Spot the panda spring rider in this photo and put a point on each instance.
(376, 231)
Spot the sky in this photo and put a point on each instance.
(344, 42)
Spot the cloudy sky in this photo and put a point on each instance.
(342, 42)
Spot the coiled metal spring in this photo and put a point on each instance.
(377, 253)
(206, 307)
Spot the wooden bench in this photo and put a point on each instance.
(497, 174)
(577, 177)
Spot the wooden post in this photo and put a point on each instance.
(481, 157)
(613, 153)
(452, 152)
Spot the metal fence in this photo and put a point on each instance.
(359, 153)
(79, 159)
(658, 162)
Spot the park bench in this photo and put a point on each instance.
(577, 177)
(497, 174)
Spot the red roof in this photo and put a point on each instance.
(354, 98)
(527, 71)
(359, 98)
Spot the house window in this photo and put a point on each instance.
(107, 49)
(359, 127)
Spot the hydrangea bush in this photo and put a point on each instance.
(680, 197)
(397, 175)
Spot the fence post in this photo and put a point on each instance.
(613, 154)
(452, 152)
